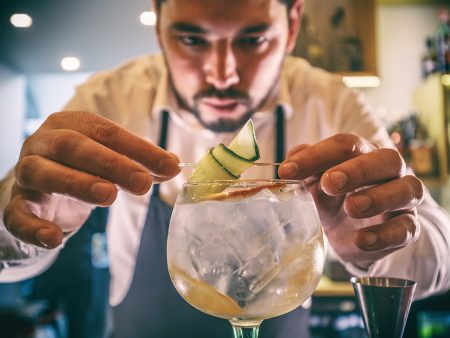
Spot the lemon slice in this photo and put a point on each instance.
(203, 296)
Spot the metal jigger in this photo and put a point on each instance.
(384, 304)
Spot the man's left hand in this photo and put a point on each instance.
(366, 202)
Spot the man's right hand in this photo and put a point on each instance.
(83, 156)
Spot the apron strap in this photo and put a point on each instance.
(162, 142)
(279, 132)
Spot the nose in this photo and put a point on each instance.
(220, 67)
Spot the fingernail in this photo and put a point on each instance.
(370, 238)
(168, 166)
(101, 191)
(338, 179)
(362, 203)
(43, 236)
(174, 156)
(289, 169)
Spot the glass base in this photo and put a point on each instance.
(245, 329)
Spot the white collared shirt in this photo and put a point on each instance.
(316, 104)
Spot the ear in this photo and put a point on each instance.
(295, 18)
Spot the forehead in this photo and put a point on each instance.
(223, 14)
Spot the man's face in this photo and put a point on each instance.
(224, 57)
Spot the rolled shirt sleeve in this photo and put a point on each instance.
(19, 260)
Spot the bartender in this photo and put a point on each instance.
(126, 129)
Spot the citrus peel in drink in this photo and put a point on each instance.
(203, 296)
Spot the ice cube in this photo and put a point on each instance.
(304, 222)
(202, 220)
(255, 222)
(215, 262)
(254, 276)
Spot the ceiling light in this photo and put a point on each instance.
(21, 20)
(148, 18)
(70, 63)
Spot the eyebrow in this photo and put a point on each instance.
(188, 28)
(260, 28)
(185, 27)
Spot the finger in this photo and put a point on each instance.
(288, 165)
(23, 224)
(40, 174)
(159, 179)
(403, 193)
(328, 206)
(296, 149)
(396, 233)
(158, 161)
(77, 151)
(323, 155)
(366, 169)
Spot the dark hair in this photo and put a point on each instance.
(288, 3)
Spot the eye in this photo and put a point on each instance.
(252, 41)
(191, 40)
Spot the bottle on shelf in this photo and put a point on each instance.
(413, 142)
(421, 150)
(345, 47)
(442, 36)
(429, 58)
(309, 45)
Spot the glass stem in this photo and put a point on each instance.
(245, 332)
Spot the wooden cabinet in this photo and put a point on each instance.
(413, 2)
(339, 35)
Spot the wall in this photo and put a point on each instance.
(401, 33)
(12, 110)
(22, 95)
(48, 93)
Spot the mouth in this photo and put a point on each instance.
(221, 105)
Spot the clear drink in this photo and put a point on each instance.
(247, 254)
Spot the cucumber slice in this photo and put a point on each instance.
(222, 163)
(210, 169)
(244, 144)
(231, 161)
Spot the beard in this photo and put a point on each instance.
(223, 124)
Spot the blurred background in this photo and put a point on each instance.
(395, 51)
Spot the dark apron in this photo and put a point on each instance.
(153, 308)
(77, 283)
